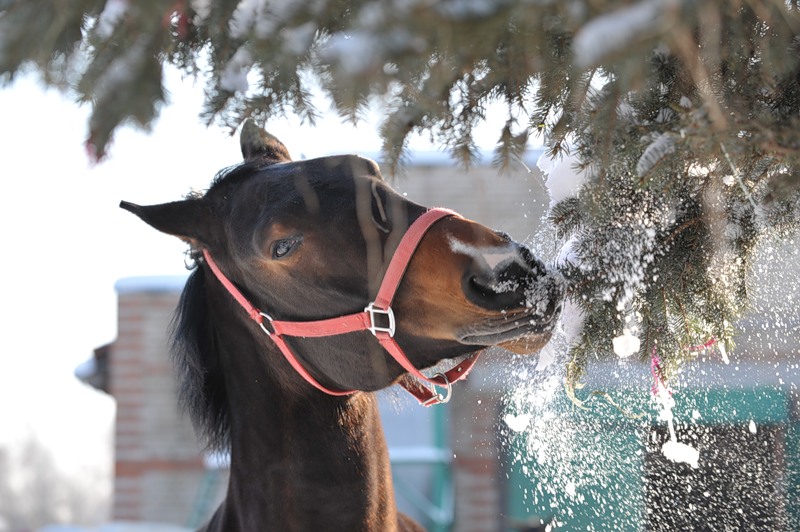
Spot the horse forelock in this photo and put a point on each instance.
(235, 174)
(201, 387)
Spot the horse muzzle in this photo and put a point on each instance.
(524, 300)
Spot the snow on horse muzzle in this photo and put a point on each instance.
(509, 279)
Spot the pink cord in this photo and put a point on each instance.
(706, 345)
(656, 371)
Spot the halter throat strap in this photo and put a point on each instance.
(378, 318)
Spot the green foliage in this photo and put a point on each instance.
(693, 149)
(686, 116)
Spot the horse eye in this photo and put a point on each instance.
(282, 248)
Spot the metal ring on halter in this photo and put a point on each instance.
(263, 327)
(447, 386)
(374, 328)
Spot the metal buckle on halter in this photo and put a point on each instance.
(438, 398)
(264, 327)
(374, 328)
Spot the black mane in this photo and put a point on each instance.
(201, 387)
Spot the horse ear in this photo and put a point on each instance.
(257, 144)
(189, 219)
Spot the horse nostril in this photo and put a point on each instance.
(504, 283)
(482, 286)
(494, 294)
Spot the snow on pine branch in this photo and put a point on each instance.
(122, 72)
(233, 77)
(616, 31)
(202, 9)
(263, 19)
(663, 145)
(355, 52)
(112, 14)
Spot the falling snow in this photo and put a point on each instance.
(564, 179)
(626, 344)
(517, 423)
(681, 452)
(603, 466)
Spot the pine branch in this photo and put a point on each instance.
(664, 103)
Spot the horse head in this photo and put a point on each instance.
(311, 240)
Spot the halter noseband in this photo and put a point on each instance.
(377, 318)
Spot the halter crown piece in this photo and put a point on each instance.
(377, 318)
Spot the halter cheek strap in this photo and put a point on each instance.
(377, 317)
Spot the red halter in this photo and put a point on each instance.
(368, 320)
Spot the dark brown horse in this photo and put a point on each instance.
(312, 240)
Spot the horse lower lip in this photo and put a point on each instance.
(512, 331)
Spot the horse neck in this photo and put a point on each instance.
(298, 461)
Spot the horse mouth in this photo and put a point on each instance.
(521, 333)
(523, 330)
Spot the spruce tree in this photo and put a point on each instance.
(681, 117)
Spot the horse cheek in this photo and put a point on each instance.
(437, 273)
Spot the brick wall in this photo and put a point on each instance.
(476, 468)
(513, 202)
(158, 464)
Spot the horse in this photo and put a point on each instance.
(276, 361)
